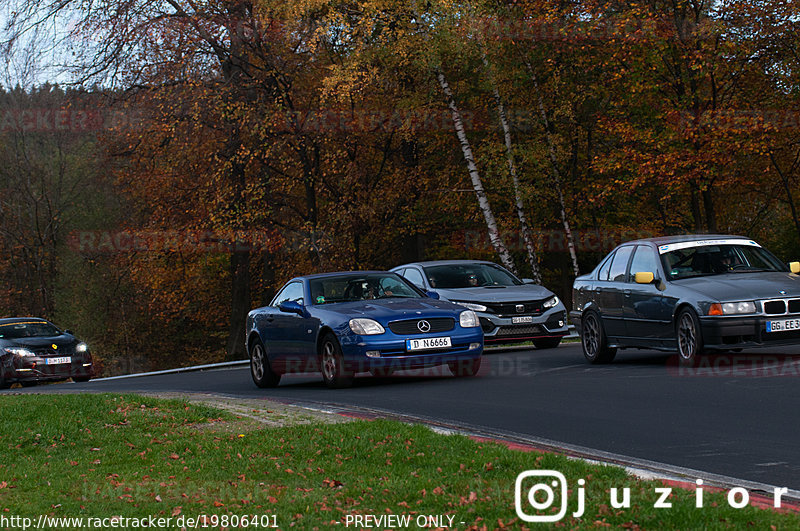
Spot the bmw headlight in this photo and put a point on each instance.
(468, 319)
(366, 327)
(732, 308)
(19, 351)
(551, 303)
(81, 347)
(472, 306)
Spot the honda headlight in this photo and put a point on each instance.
(468, 319)
(366, 327)
(19, 351)
(81, 347)
(551, 303)
(471, 306)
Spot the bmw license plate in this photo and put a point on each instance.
(783, 325)
(428, 343)
(522, 319)
(58, 361)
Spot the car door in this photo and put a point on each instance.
(287, 336)
(647, 311)
(414, 275)
(611, 293)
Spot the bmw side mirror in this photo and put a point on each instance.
(68, 332)
(292, 307)
(528, 281)
(794, 267)
(432, 295)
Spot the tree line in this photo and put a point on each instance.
(204, 153)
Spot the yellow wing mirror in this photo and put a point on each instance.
(648, 277)
(794, 267)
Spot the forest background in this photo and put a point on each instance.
(165, 165)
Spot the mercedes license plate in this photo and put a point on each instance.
(428, 343)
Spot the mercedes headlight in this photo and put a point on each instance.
(471, 306)
(366, 327)
(81, 347)
(468, 319)
(19, 351)
(551, 303)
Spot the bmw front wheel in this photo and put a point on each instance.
(690, 338)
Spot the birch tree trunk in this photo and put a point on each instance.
(477, 185)
(556, 173)
(519, 204)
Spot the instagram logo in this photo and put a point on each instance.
(541, 496)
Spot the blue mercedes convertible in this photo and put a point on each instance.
(341, 324)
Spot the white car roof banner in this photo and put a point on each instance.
(704, 243)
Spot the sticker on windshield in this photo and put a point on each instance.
(703, 243)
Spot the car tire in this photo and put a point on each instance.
(4, 384)
(263, 375)
(81, 379)
(465, 368)
(29, 383)
(382, 372)
(594, 341)
(547, 342)
(331, 363)
(689, 338)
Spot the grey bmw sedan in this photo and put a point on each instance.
(688, 293)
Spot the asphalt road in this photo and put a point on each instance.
(736, 417)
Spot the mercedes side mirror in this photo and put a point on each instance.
(528, 281)
(432, 295)
(645, 277)
(292, 307)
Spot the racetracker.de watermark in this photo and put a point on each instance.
(738, 366)
(155, 241)
(67, 120)
(551, 241)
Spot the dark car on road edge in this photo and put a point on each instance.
(687, 293)
(33, 350)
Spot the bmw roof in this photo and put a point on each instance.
(665, 240)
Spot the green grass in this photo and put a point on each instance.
(103, 455)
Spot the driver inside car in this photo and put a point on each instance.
(375, 291)
(728, 261)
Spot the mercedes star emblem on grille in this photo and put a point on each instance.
(424, 326)
(520, 308)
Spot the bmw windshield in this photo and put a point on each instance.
(697, 259)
